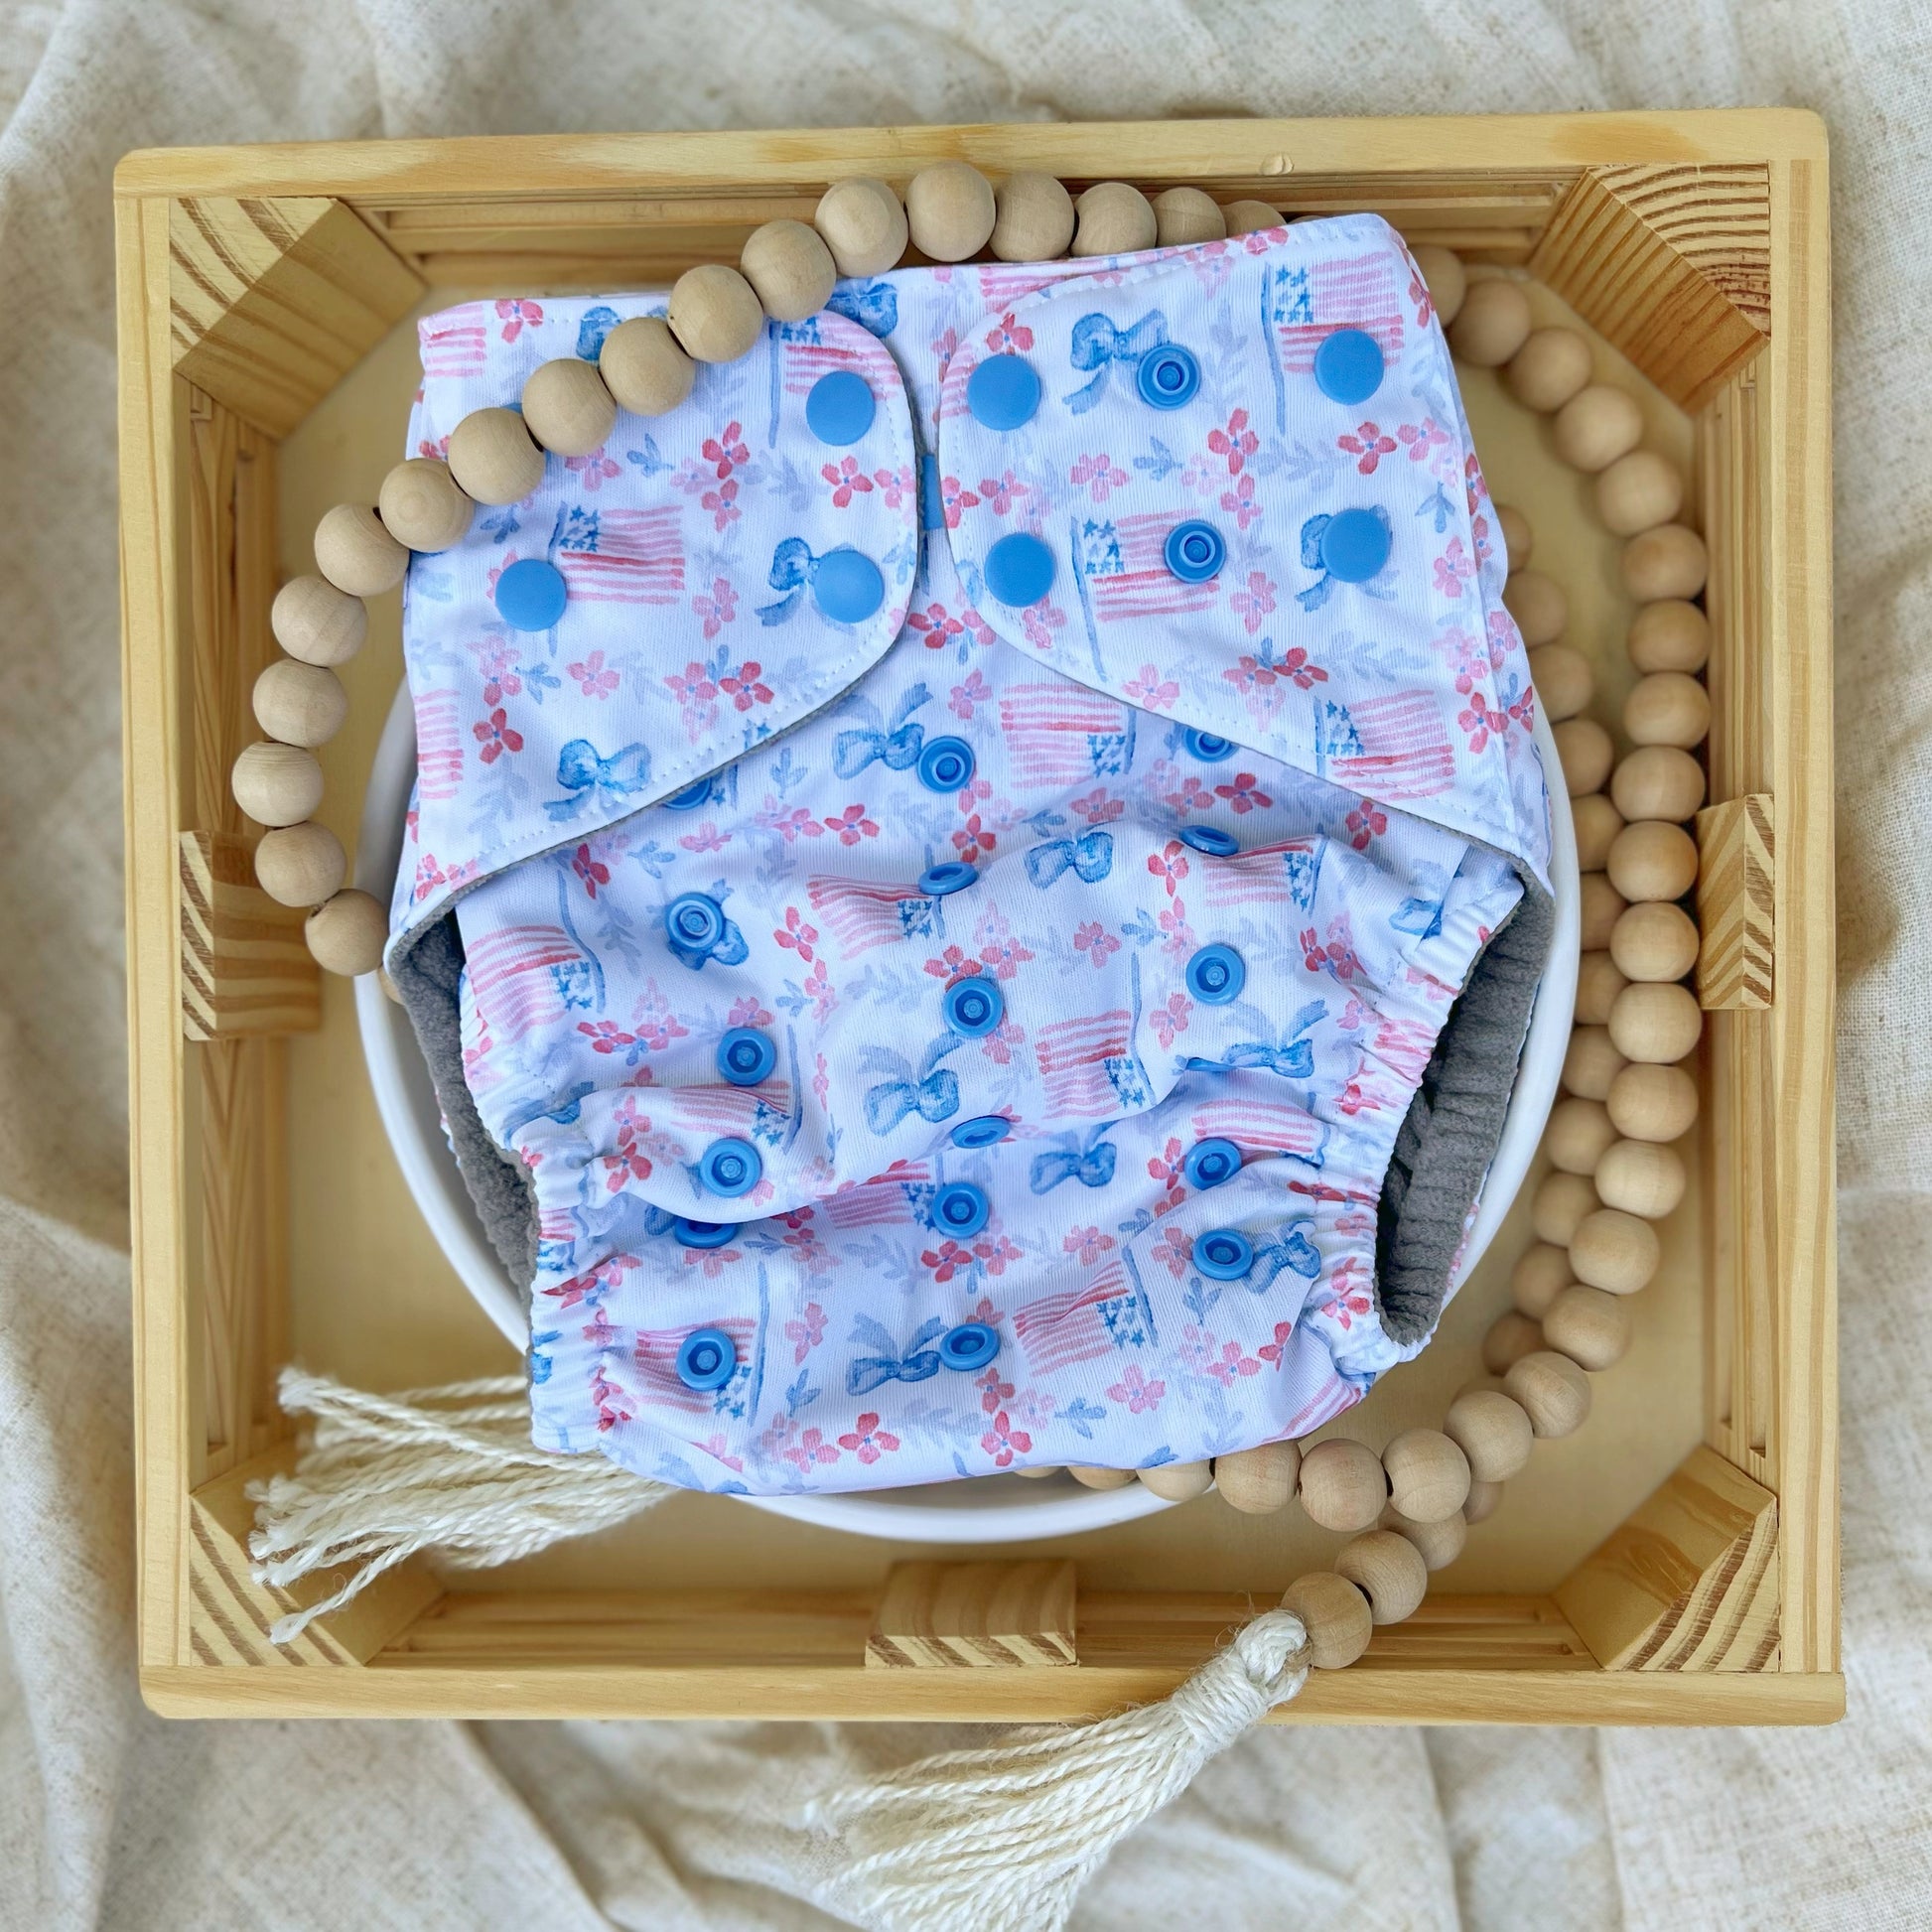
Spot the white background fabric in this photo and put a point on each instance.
(109, 1816)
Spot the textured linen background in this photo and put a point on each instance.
(109, 1816)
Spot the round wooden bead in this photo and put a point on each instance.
(1653, 1103)
(1658, 781)
(356, 554)
(949, 211)
(1669, 561)
(276, 785)
(1438, 1543)
(1042, 1469)
(1654, 941)
(1595, 427)
(1599, 982)
(1511, 1336)
(1597, 824)
(300, 865)
(1485, 1498)
(346, 934)
(1590, 1065)
(1602, 904)
(715, 313)
(1183, 215)
(1518, 540)
(1550, 367)
(1091, 1479)
(420, 505)
(1342, 1485)
(1259, 1481)
(1590, 1326)
(1652, 860)
(1587, 753)
(1538, 604)
(1554, 1393)
(1251, 218)
(1670, 636)
(863, 225)
(1577, 1135)
(1387, 1569)
(567, 408)
(1541, 1274)
(1112, 219)
(301, 704)
(1656, 1023)
(1334, 1613)
(1564, 682)
(1179, 1483)
(1032, 218)
(1492, 324)
(1642, 1177)
(1492, 1431)
(493, 458)
(790, 269)
(1668, 708)
(643, 367)
(313, 620)
(1638, 492)
(1614, 1251)
(1429, 1476)
(1560, 1203)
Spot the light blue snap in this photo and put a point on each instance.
(746, 1056)
(960, 1209)
(1223, 1254)
(1355, 545)
(950, 876)
(1209, 1163)
(691, 797)
(1194, 551)
(1211, 839)
(1002, 394)
(695, 920)
(730, 1168)
(973, 1007)
(970, 1346)
(707, 1358)
(947, 764)
(702, 1234)
(531, 595)
(847, 586)
(1169, 376)
(1216, 975)
(983, 1130)
(839, 407)
(1020, 569)
(1348, 365)
(1208, 747)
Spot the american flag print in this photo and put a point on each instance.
(654, 1356)
(1105, 1315)
(1123, 569)
(439, 745)
(621, 556)
(1405, 1045)
(863, 913)
(527, 977)
(1310, 301)
(1261, 1127)
(891, 1199)
(1393, 747)
(806, 361)
(1268, 875)
(1080, 1060)
(1064, 734)
(455, 342)
(727, 1110)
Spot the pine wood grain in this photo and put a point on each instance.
(245, 967)
(1736, 897)
(976, 1616)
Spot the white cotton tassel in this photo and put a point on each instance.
(1002, 1839)
(450, 1470)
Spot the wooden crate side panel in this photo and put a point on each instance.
(246, 969)
(973, 1615)
(1736, 902)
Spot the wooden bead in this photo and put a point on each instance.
(300, 865)
(715, 313)
(1538, 604)
(1577, 1135)
(862, 223)
(645, 369)
(1185, 216)
(1511, 1336)
(1656, 1023)
(1492, 1431)
(356, 554)
(420, 505)
(1670, 636)
(1654, 941)
(1179, 1483)
(1429, 1475)
(1599, 982)
(1550, 367)
(1602, 904)
(1590, 1326)
(347, 933)
(1669, 561)
(1586, 753)
(1039, 1470)
(493, 458)
(1493, 323)
(790, 269)
(313, 620)
(1334, 1613)
(1614, 1251)
(301, 704)
(1554, 1393)
(1541, 1274)
(1518, 540)
(1595, 427)
(1590, 1065)
(1642, 1177)
(1560, 1203)
(1652, 860)
(1668, 708)
(1438, 1543)
(1259, 1481)
(1252, 217)
(1091, 1479)
(1653, 1103)
(1658, 781)
(1342, 1485)
(1112, 219)
(1485, 1498)
(1564, 679)
(1638, 492)
(1032, 218)
(1597, 825)
(949, 211)
(276, 785)
(567, 408)
(1388, 1569)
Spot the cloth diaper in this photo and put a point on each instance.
(995, 925)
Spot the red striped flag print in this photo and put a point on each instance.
(863, 914)
(1255, 878)
(457, 342)
(1127, 573)
(1064, 733)
(1072, 1056)
(519, 975)
(881, 1201)
(1081, 1324)
(1395, 746)
(1404, 1045)
(619, 556)
(654, 1354)
(439, 745)
(1259, 1126)
(723, 1109)
(805, 363)
(1326, 296)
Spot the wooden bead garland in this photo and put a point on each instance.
(949, 209)
(300, 704)
(1257, 1481)
(1517, 540)
(1388, 1569)
(276, 785)
(1670, 636)
(790, 269)
(1552, 1391)
(1588, 1325)
(1599, 824)
(1185, 216)
(301, 865)
(1651, 860)
(643, 367)
(315, 621)
(1251, 218)
(715, 313)
(356, 554)
(1550, 368)
(1538, 604)
(1652, 1103)
(347, 932)
(1562, 678)
(1559, 1204)
(422, 507)
(1429, 1475)
(1541, 1274)
(1438, 1544)
(1342, 1486)
(1180, 1482)
(1494, 1432)
(1642, 1177)
(1599, 982)
(1614, 1251)
(1595, 427)
(864, 226)
(1493, 323)
(566, 407)
(1587, 753)
(1033, 219)
(1112, 219)
(492, 459)
(1335, 1615)
(1658, 781)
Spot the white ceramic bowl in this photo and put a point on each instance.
(985, 1509)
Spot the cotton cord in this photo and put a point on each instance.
(447, 1470)
(1003, 1838)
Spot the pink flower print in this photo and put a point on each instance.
(518, 316)
(869, 1442)
(1296, 668)
(935, 625)
(591, 470)
(896, 487)
(1088, 1244)
(429, 876)
(717, 610)
(1169, 865)
(496, 736)
(1172, 1019)
(951, 965)
(955, 499)
(1173, 1250)
(747, 1013)
(811, 1448)
(707, 838)
(818, 990)
(1237, 441)
(1474, 487)
(589, 869)
(1192, 796)
(852, 825)
(1369, 443)
(1097, 808)
(1150, 691)
(726, 451)
(1275, 1351)
(1229, 1364)
(1254, 600)
(797, 936)
(973, 841)
(746, 685)
(1093, 940)
(1001, 1441)
(975, 691)
(593, 678)
(1003, 956)
(1420, 438)
(948, 1260)
(721, 502)
(607, 1036)
(1453, 569)
(977, 627)
(1524, 709)
(805, 1332)
(1244, 794)
(611, 1400)
(847, 480)
(1480, 722)
(1350, 1298)
(1505, 637)
(1353, 1100)
(994, 1393)
(1136, 1391)
(821, 1083)
(1100, 473)
(1040, 621)
(993, 1252)
(1239, 502)
(438, 449)
(792, 823)
(1176, 935)
(1008, 336)
(1365, 822)
(1419, 295)
(692, 685)
(1001, 492)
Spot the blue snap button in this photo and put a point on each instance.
(695, 920)
(1216, 975)
(707, 1358)
(959, 1208)
(730, 1168)
(839, 407)
(970, 1346)
(691, 797)
(702, 1234)
(973, 1007)
(531, 595)
(1348, 365)
(1169, 376)
(1208, 747)
(953, 876)
(746, 1056)
(947, 764)
(1354, 546)
(1223, 1254)
(1002, 394)
(847, 586)
(1194, 552)
(1020, 569)
(1209, 1163)
(983, 1130)
(1211, 840)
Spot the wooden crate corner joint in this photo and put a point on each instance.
(245, 968)
(1737, 880)
(980, 1615)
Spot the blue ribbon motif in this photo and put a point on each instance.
(1098, 344)
(1091, 856)
(1092, 1168)
(579, 770)
(935, 1098)
(868, 1372)
(1295, 1061)
(896, 750)
(792, 569)
(874, 306)
(1294, 1252)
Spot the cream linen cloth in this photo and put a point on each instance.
(109, 1816)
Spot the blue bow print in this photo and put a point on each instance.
(874, 306)
(1295, 1061)
(866, 1372)
(1294, 1252)
(1092, 1168)
(1091, 856)
(792, 569)
(896, 750)
(1098, 344)
(935, 1098)
(590, 332)
(579, 769)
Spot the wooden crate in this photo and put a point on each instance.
(252, 280)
